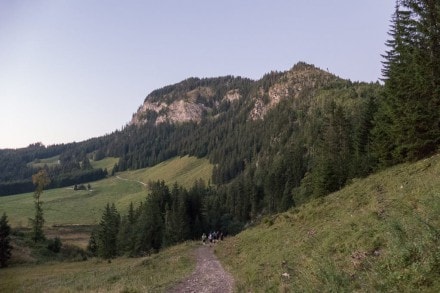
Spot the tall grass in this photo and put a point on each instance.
(379, 234)
(155, 273)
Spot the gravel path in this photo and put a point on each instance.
(208, 277)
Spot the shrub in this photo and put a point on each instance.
(54, 245)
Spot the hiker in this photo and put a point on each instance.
(204, 238)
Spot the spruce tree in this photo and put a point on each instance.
(108, 232)
(92, 246)
(5, 241)
(407, 125)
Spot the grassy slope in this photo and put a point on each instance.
(381, 233)
(52, 161)
(378, 234)
(106, 163)
(66, 206)
(149, 274)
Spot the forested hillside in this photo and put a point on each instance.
(279, 141)
(274, 142)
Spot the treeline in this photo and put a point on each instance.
(407, 125)
(325, 133)
(313, 144)
(166, 217)
(304, 147)
(73, 167)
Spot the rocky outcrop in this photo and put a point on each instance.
(193, 98)
(290, 85)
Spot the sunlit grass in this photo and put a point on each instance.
(184, 171)
(64, 206)
(106, 163)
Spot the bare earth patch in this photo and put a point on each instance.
(209, 275)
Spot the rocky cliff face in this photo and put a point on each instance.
(302, 77)
(191, 99)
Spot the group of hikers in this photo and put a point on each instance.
(212, 237)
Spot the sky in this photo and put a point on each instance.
(75, 69)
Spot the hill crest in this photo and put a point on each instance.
(194, 99)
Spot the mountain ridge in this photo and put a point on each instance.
(285, 138)
(194, 98)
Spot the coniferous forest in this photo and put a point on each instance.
(304, 144)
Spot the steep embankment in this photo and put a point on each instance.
(381, 233)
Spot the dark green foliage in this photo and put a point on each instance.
(5, 241)
(37, 223)
(92, 246)
(107, 233)
(313, 141)
(41, 180)
(149, 227)
(408, 120)
(163, 219)
(333, 152)
(54, 244)
(73, 166)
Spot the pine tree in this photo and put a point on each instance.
(407, 125)
(92, 246)
(331, 164)
(5, 241)
(149, 228)
(108, 232)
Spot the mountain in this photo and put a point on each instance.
(274, 142)
(194, 98)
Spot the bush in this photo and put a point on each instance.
(54, 245)
(74, 253)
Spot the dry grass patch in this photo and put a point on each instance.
(150, 274)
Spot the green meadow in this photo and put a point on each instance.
(378, 234)
(52, 161)
(106, 163)
(65, 206)
(70, 215)
(154, 273)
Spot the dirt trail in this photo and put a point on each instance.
(125, 179)
(208, 277)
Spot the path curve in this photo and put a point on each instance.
(208, 277)
(125, 179)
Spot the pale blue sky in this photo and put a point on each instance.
(75, 69)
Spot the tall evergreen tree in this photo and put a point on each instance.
(108, 232)
(407, 125)
(5, 241)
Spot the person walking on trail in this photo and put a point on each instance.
(204, 238)
(210, 238)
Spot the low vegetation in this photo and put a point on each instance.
(378, 234)
(65, 206)
(155, 273)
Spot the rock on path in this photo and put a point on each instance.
(209, 275)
